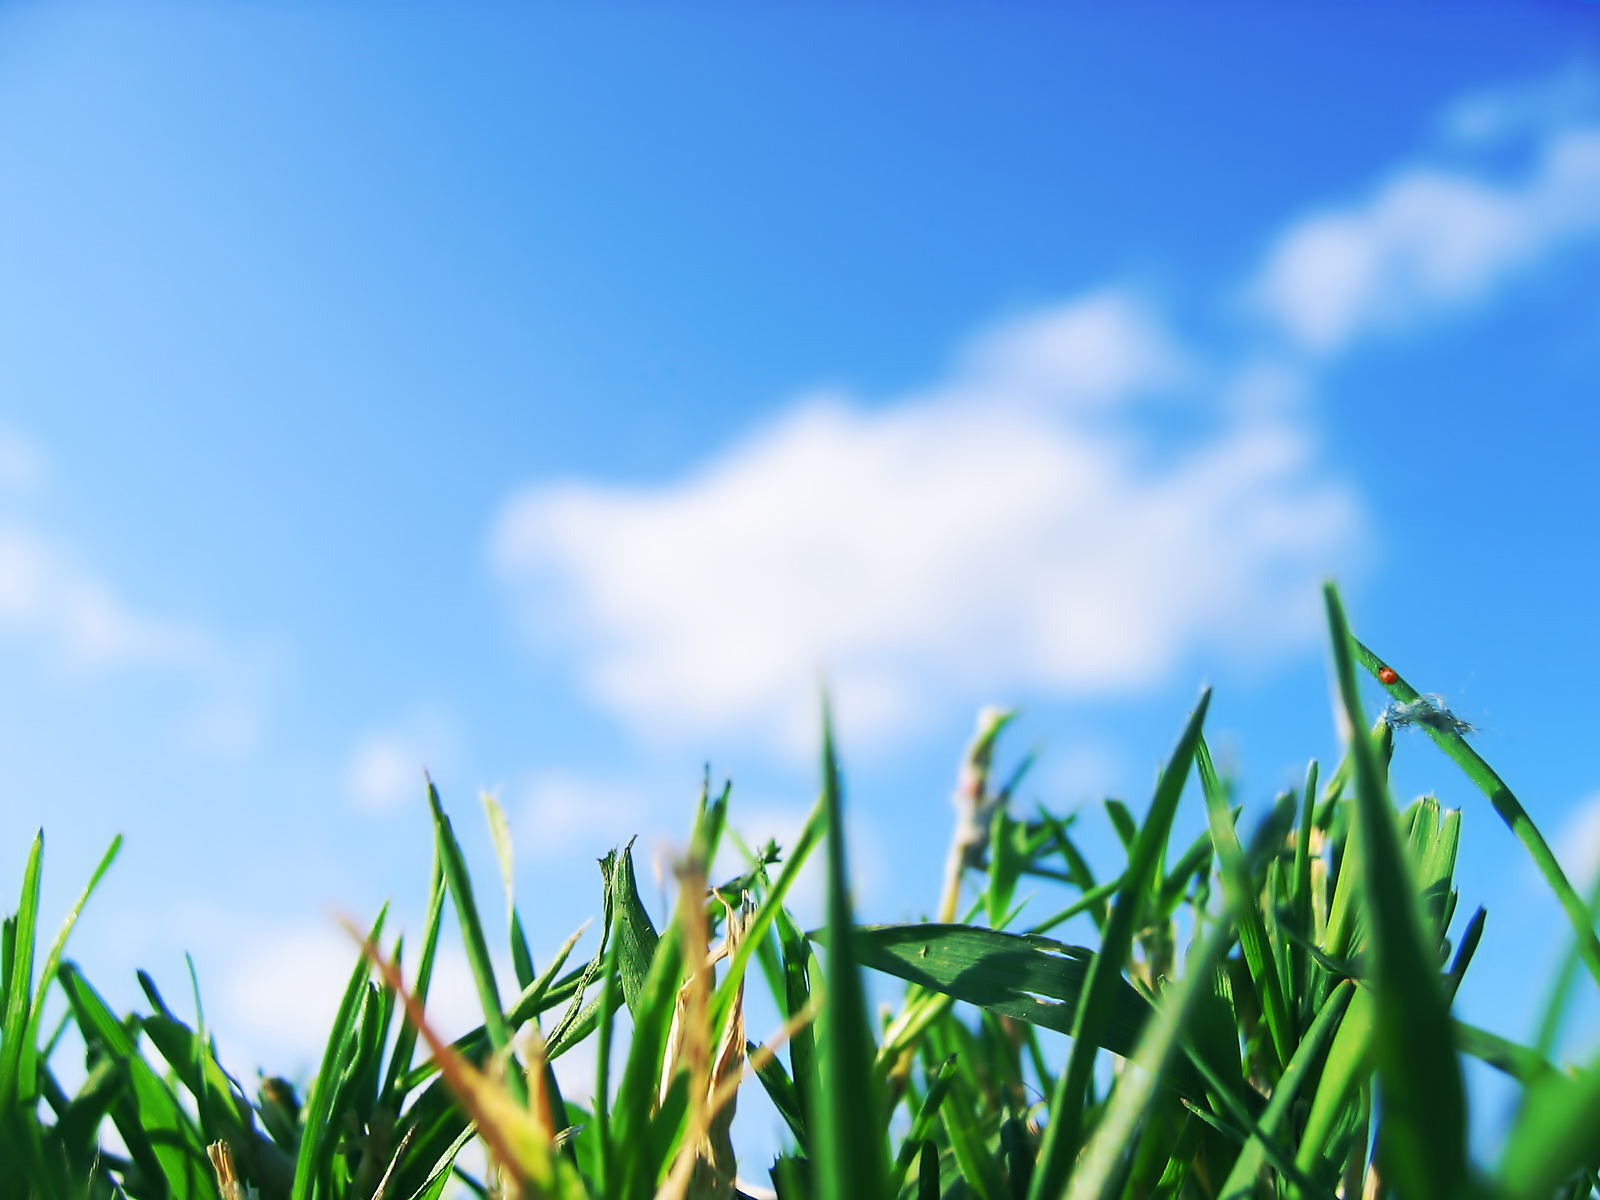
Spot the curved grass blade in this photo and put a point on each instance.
(1061, 1137)
(1505, 803)
(1424, 1146)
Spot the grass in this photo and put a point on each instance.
(1266, 1015)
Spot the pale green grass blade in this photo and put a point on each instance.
(28, 1060)
(1555, 1008)
(852, 1162)
(1557, 1130)
(938, 1089)
(1103, 983)
(20, 983)
(1096, 1170)
(1508, 806)
(1240, 891)
(1419, 1078)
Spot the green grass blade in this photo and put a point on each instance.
(460, 884)
(604, 1167)
(1016, 975)
(1061, 1136)
(1096, 1171)
(27, 1065)
(1508, 806)
(1553, 1135)
(771, 905)
(1424, 1103)
(635, 935)
(1347, 1067)
(318, 1142)
(395, 1088)
(20, 981)
(852, 1163)
(1240, 891)
(1241, 1180)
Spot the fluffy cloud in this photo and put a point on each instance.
(1431, 239)
(1009, 527)
(1035, 521)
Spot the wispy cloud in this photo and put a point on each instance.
(1432, 239)
(1034, 520)
(71, 620)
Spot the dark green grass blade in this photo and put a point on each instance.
(1347, 1067)
(852, 1162)
(1096, 1171)
(1061, 1136)
(604, 1167)
(780, 1089)
(797, 959)
(635, 934)
(926, 1115)
(1424, 1104)
(158, 1133)
(1510, 810)
(1006, 973)
(318, 1142)
(1301, 895)
(1240, 891)
(1523, 1063)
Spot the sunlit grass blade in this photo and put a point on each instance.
(1062, 1135)
(28, 1060)
(19, 983)
(1424, 1147)
(848, 1121)
(1505, 803)
(395, 1089)
(632, 929)
(477, 945)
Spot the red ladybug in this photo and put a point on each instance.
(1387, 674)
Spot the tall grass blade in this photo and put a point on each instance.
(1507, 805)
(849, 1122)
(1061, 1136)
(1424, 1148)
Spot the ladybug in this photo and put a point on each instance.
(1387, 675)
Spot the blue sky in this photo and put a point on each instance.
(554, 394)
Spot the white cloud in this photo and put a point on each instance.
(1009, 527)
(385, 768)
(1431, 239)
